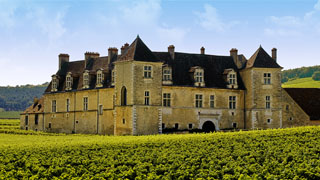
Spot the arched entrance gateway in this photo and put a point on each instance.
(208, 126)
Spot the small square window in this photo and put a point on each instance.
(190, 126)
(26, 128)
(290, 118)
(77, 122)
(49, 126)
(176, 125)
(269, 121)
(234, 125)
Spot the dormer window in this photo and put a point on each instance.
(198, 76)
(167, 75)
(100, 77)
(86, 79)
(55, 82)
(69, 80)
(232, 82)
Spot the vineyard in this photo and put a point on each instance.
(266, 154)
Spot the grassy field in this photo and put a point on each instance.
(266, 154)
(302, 83)
(10, 114)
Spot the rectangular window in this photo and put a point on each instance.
(269, 121)
(26, 120)
(211, 101)
(113, 76)
(232, 79)
(100, 109)
(176, 125)
(85, 103)
(49, 126)
(232, 102)
(199, 76)
(267, 78)
(190, 126)
(198, 100)
(268, 102)
(163, 126)
(147, 71)
(146, 98)
(68, 105)
(69, 82)
(167, 74)
(99, 77)
(166, 99)
(36, 119)
(234, 125)
(54, 106)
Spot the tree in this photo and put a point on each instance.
(316, 76)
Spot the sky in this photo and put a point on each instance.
(34, 32)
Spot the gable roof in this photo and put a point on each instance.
(262, 59)
(138, 51)
(307, 99)
(36, 107)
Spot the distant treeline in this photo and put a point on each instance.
(297, 73)
(18, 98)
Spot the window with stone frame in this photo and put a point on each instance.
(232, 102)
(26, 119)
(36, 119)
(147, 71)
(268, 102)
(54, 106)
(85, 103)
(113, 75)
(100, 78)
(69, 81)
(68, 105)
(86, 79)
(167, 74)
(198, 100)
(211, 101)
(55, 82)
(232, 78)
(267, 78)
(147, 98)
(166, 99)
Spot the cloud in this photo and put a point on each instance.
(293, 25)
(210, 20)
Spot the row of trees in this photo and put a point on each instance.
(302, 72)
(20, 97)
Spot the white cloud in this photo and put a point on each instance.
(293, 25)
(210, 19)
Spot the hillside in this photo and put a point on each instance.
(20, 97)
(297, 73)
(302, 83)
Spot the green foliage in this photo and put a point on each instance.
(302, 72)
(302, 83)
(20, 97)
(316, 76)
(266, 154)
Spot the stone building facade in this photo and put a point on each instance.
(138, 92)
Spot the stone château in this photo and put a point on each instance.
(138, 91)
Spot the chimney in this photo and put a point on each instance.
(171, 51)
(62, 59)
(88, 56)
(274, 53)
(234, 53)
(112, 52)
(124, 48)
(202, 50)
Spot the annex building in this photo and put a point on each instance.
(138, 91)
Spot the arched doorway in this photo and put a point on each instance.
(208, 126)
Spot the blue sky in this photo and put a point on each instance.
(33, 33)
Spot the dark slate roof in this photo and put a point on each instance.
(213, 66)
(308, 99)
(138, 51)
(262, 59)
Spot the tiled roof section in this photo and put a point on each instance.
(36, 107)
(213, 66)
(262, 59)
(77, 68)
(308, 99)
(138, 51)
